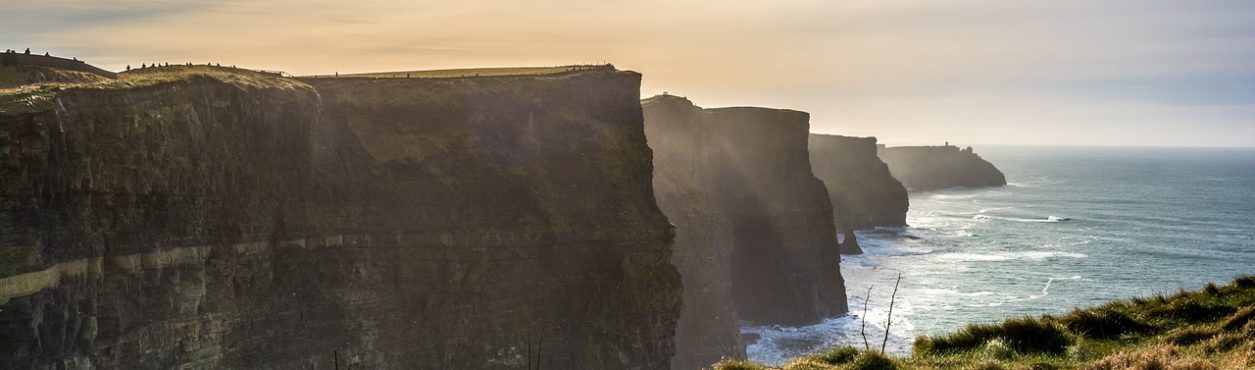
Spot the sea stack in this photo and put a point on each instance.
(923, 168)
(755, 238)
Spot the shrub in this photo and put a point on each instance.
(838, 356)
(1239, 319)
(1103, 324)
(1023, 334)
(872, 361)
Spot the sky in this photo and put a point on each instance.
(1059, 72)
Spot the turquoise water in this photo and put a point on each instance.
(1076, 226)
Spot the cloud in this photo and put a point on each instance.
(904, 70)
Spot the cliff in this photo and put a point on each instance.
(940, 167)
(208, 218)
(863, 192)
(755, 238)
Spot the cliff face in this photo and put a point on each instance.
(864, 195)
(755, 239)
(444, 223)
(939, 167)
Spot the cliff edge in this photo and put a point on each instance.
(212, 218)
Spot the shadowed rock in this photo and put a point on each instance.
(755, 238)
(863, 192)
(503, 222)
(940, 167)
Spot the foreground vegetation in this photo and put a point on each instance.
(1213, 328)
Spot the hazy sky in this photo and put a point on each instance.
(1118, 72)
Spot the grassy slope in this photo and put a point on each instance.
(475, 72)
(1209, 329)
(12, 76)
(37, 96)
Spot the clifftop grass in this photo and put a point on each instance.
(474, 72)
(158, 75)
(39, 96)
(1213, 328)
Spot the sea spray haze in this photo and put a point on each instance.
(1075, 226)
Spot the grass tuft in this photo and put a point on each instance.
(1023, 334)
(872, 361)
(738, 365)
(838, 356)
(1103, 324)
(1190, 310)
(1238, 320)
(1190, 336)
(1245, 282)
(1211, 289)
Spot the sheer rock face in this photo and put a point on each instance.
(863, 192)
(923, 168)
(755, 239)
(441, 223)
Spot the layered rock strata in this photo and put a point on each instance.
(260, 222)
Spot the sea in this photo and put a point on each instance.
(1074, 227)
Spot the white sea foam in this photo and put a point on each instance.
(1045, 290)
(1008, 256)
(1050, 218)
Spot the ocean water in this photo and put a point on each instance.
(1076, 226)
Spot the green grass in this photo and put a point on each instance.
(1213, 328)
(1021, 334)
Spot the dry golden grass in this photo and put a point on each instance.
(1159, 358)
(16, 76)
(238, 76)
(472, 72)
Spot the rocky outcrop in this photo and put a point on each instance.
(863, 192)
(849, 243)
(502, 222)
(755, 239)
(923, 168)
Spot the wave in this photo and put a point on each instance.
(776, 345)
(1050, 218)
(1008, 256)
(1045, 290)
